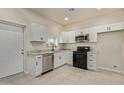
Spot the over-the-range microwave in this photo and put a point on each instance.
(82, 38)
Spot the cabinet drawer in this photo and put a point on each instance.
(91, 60)
(91, 57)
(91, 65)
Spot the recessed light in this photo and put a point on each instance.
(66, 18)
(98, 8)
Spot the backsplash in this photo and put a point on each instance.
(44, 46)
(74, 46)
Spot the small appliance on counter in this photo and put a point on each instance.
(80, 57)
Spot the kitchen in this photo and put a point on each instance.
(53, 44)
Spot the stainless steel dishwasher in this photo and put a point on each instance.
(47, 62)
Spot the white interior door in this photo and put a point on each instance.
(11, 43)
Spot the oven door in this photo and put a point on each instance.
(80, 60)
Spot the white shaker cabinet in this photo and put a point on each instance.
(71, 36)
(59, 59)
(35, 65)
(116, 26)
(63, 37)
(67, 37)
(38, 33)
(69, 57)
(91, 61)
(93, 36)
(110, 27)
(38, 65)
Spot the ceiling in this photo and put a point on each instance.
(79, 14)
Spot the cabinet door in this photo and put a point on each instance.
(93, 36)
(102, 29)
(117, 26)
(36, 34)
(71, 37)
(39, 32)
(45, 36)
(57, 60)
(43, 33)
(91, 61)
(78, 33)
(69, 58)
(63, 58)
(38, 65)
(110, 27)
(63, 38)
(91, 65)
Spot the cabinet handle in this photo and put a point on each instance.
(109, 28)
(91, 66)
(90, 55)
(41, 38)
(59, 57)
(36, 63)
(91, 60)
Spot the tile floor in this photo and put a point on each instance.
(66, 75)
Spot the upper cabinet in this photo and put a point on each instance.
(67, 37)
(71, 37)
(63, 37)
(110, 27)
(39, 33)
(93, 35)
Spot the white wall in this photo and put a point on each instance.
(26, 17)
(110, 46)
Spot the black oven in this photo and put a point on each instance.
(80, 57)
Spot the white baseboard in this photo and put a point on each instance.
(111, 70)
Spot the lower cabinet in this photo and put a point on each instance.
(35, 65)
(38, 65)
(91, 61)
(69, 57)
(61, 58)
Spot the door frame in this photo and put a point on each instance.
(24, 40)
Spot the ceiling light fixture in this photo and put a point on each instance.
(66, 18)
(98, 8)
